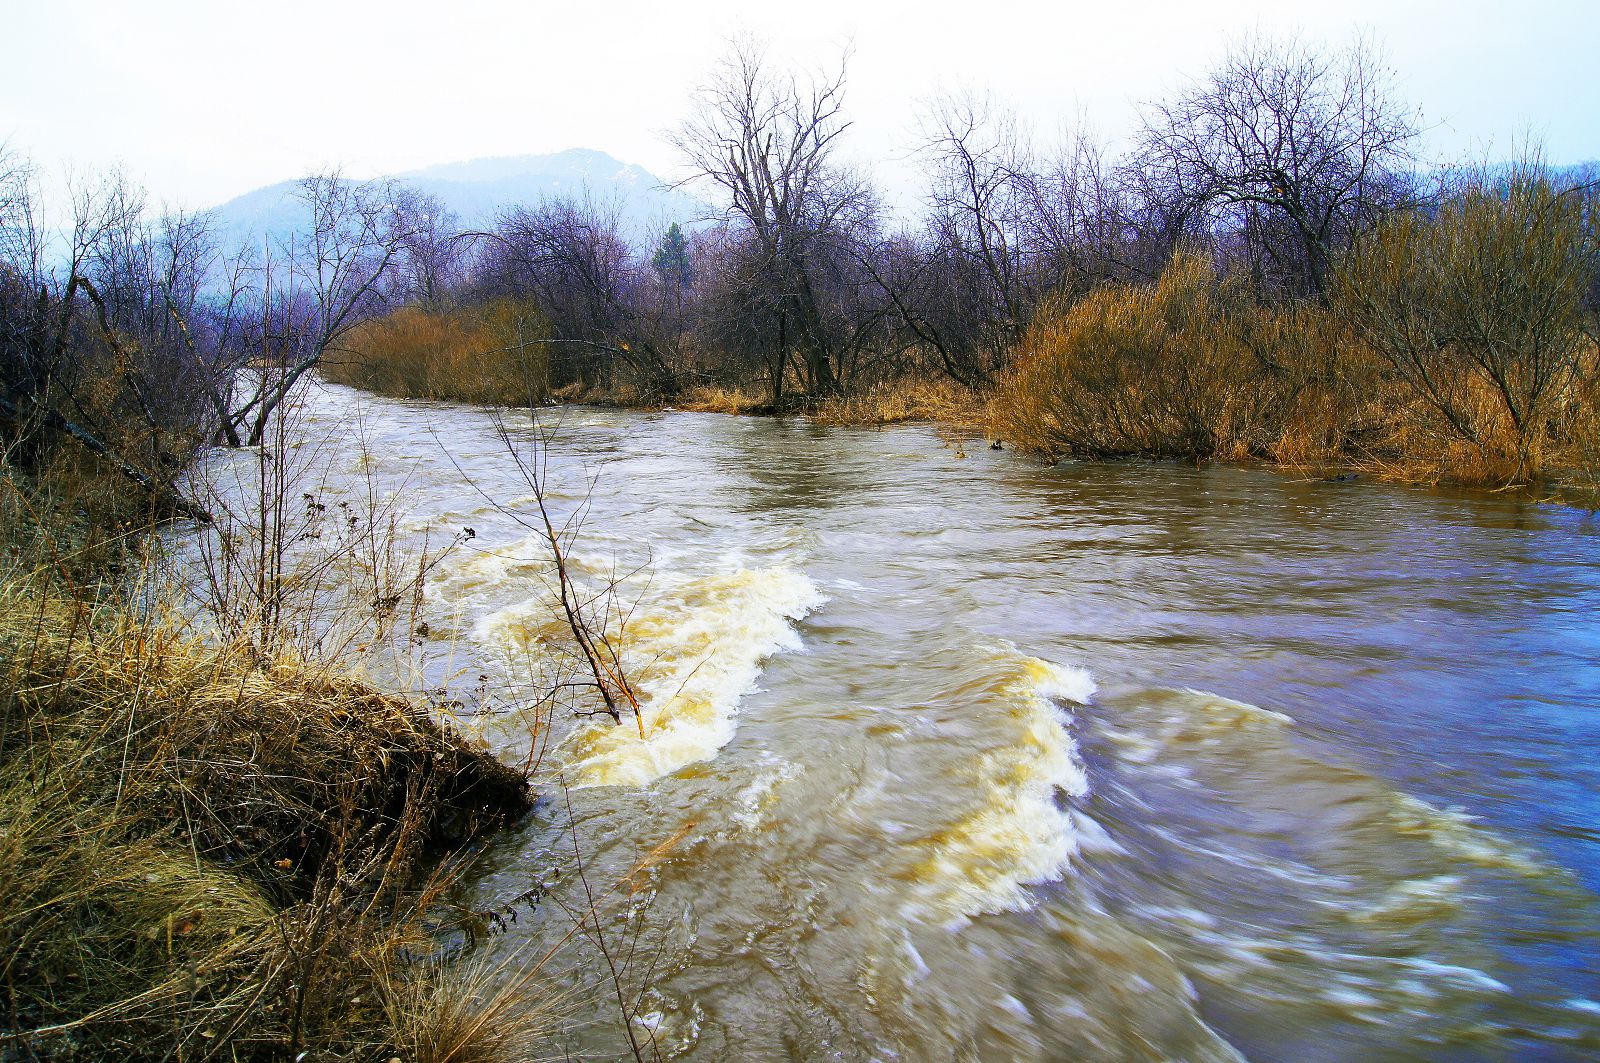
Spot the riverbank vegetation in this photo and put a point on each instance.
(1454, 343)
(216, 841)
(210, 848)
(1267, 272)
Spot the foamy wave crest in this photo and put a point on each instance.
(691, 647)
(478, 583)
(511, 568)
(507, 596)
(692, 651)
(1018, 835)
(1200, 719)
(1458, 835)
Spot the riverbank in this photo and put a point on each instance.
(1385, 448)
(216, 850)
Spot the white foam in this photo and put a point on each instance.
(1061, 682)
(1018, 835)
(692, 650)
(753, 800)
(1456, 975)
(1216, 711)
(691, 647)
(480, 580)
(1414, 900)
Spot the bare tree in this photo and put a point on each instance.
(1076, 215)
(1293, 148)
(981, 170)
(570, 256)
(85, 350)
(1008, 227)
(432, 252)
(26, 318)
(767, 143)
(332, 281)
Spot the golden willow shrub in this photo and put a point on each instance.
(1481, 308)
(495, 353)
(1166, 371)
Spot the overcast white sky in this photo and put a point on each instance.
(201, 100)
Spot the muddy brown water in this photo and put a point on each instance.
(963, 757)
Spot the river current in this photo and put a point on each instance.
(951, 755)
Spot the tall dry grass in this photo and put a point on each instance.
(908, 398)
(718, 398)
(1169, 371)
(494, 353)
(208, 849)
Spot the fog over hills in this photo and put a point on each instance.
(476, 189)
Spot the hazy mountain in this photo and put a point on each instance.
(475, 190)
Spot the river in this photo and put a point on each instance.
(952, 755)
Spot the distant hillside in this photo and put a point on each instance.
(475, 190)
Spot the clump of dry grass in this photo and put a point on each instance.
(908, 398)
(471, 1012)
(494, 354)
(206, 852)
(718, 398)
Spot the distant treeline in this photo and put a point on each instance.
(1267, 271)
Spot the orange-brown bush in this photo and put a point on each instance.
(1173, 370)
(494, 353)
(1482, 308)
(907, 398)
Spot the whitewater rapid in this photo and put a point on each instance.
(964, 758)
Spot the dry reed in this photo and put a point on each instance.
(206, 851)
(493, 354)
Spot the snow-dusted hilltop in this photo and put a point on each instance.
(477, 188)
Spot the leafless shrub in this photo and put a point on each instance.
(1166, 371)
(1486, 296)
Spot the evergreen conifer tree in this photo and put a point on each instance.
(671, 259)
